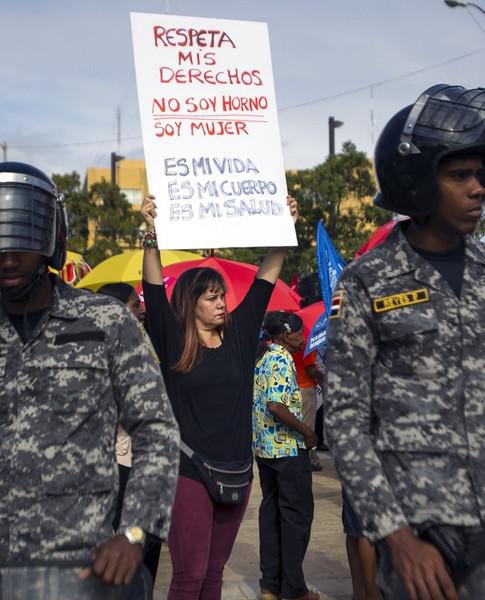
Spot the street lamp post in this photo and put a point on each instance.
(115, 158)
(332, 126)
(463, 3)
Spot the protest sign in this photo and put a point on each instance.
(210, 132)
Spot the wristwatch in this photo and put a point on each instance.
(135, 534)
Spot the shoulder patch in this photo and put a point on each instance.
(336, 306)
(400, 300)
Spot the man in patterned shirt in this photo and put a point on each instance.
(281, 443)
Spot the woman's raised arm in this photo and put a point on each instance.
(152, 266)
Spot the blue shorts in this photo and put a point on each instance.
(350, 521)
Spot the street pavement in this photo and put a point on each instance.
(326, 568)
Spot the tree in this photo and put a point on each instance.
(115, 218)
(79, 209)
(103, 207)
(101, 250)
(117, 225)
(338, 192)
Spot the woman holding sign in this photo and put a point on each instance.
(207, 356)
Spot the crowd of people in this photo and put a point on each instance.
(123, 427)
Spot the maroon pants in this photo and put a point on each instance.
(201, 538)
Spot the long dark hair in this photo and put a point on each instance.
(187, 290)
(275, 324)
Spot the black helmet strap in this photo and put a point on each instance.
(24, 292)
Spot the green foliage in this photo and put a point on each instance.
(115, 218)
(327, 186)
(320, 193)
(102, 249)
(116, 224)
(79, 209)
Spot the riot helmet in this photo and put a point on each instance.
(444, 121)
(32, 214)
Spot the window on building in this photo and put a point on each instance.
(133, 196)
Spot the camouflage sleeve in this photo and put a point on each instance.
(348, 410)
(146, 414)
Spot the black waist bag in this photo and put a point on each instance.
(228, 482)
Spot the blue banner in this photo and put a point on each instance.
(330, 265)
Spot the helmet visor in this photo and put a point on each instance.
(27, 219)
(447, 115)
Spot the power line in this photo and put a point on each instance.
(368, 86)
(112, 141)
(383, 82)
(470, 12)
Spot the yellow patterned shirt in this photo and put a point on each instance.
(275, 381)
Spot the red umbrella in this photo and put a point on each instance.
(238, 277)
(378, 236)
(309, 314)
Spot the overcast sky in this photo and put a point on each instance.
(67, 66)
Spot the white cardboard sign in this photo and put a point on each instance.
(210, 132)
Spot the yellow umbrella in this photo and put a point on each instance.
(127, 267)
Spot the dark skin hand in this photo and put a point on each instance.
(315, 374)
(281, 412)
(420, 566)
(115, 561)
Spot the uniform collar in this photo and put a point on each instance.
(63, 305)
(403, 258)
(475, 250)
(7, 330)
(406, 260)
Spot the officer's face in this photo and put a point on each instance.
(462, 193)
(210, 308)
(18, 268)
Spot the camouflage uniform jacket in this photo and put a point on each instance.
(405, 399)
(86, 367)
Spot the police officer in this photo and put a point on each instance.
(405, 412)
(72, 365)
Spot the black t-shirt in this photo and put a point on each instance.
(26, 323)
(449, 264)
(212, 403)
